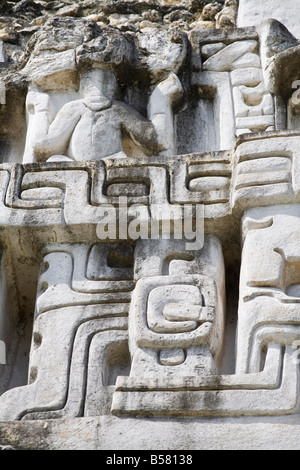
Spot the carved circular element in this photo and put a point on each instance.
(174, 309)
(168, 312)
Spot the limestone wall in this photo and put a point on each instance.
(149, 225)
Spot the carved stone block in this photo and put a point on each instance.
(149, 225)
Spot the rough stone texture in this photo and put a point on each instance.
(140, 433)
(149, 225)
(21, 19)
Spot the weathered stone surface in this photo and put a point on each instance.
(149, 434)
(279, 51)
(21, 19)
(210, 11)
(287, 12)
(227, 16)
(175, 317)
(3, 56)
(149, 226)
(223, 61)
(268, 291)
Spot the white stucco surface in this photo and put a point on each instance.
(252, 13)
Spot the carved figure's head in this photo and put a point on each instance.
(95, 82)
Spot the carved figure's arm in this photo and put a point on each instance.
(56, 139)
(160, 111)
(38, 108)
(156, 134)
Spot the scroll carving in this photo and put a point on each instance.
(116, 129)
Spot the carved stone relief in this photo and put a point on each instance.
(149, 219)
(176, 316)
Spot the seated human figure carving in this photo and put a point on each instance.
(91, 128)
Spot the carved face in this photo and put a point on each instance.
(97, 82)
